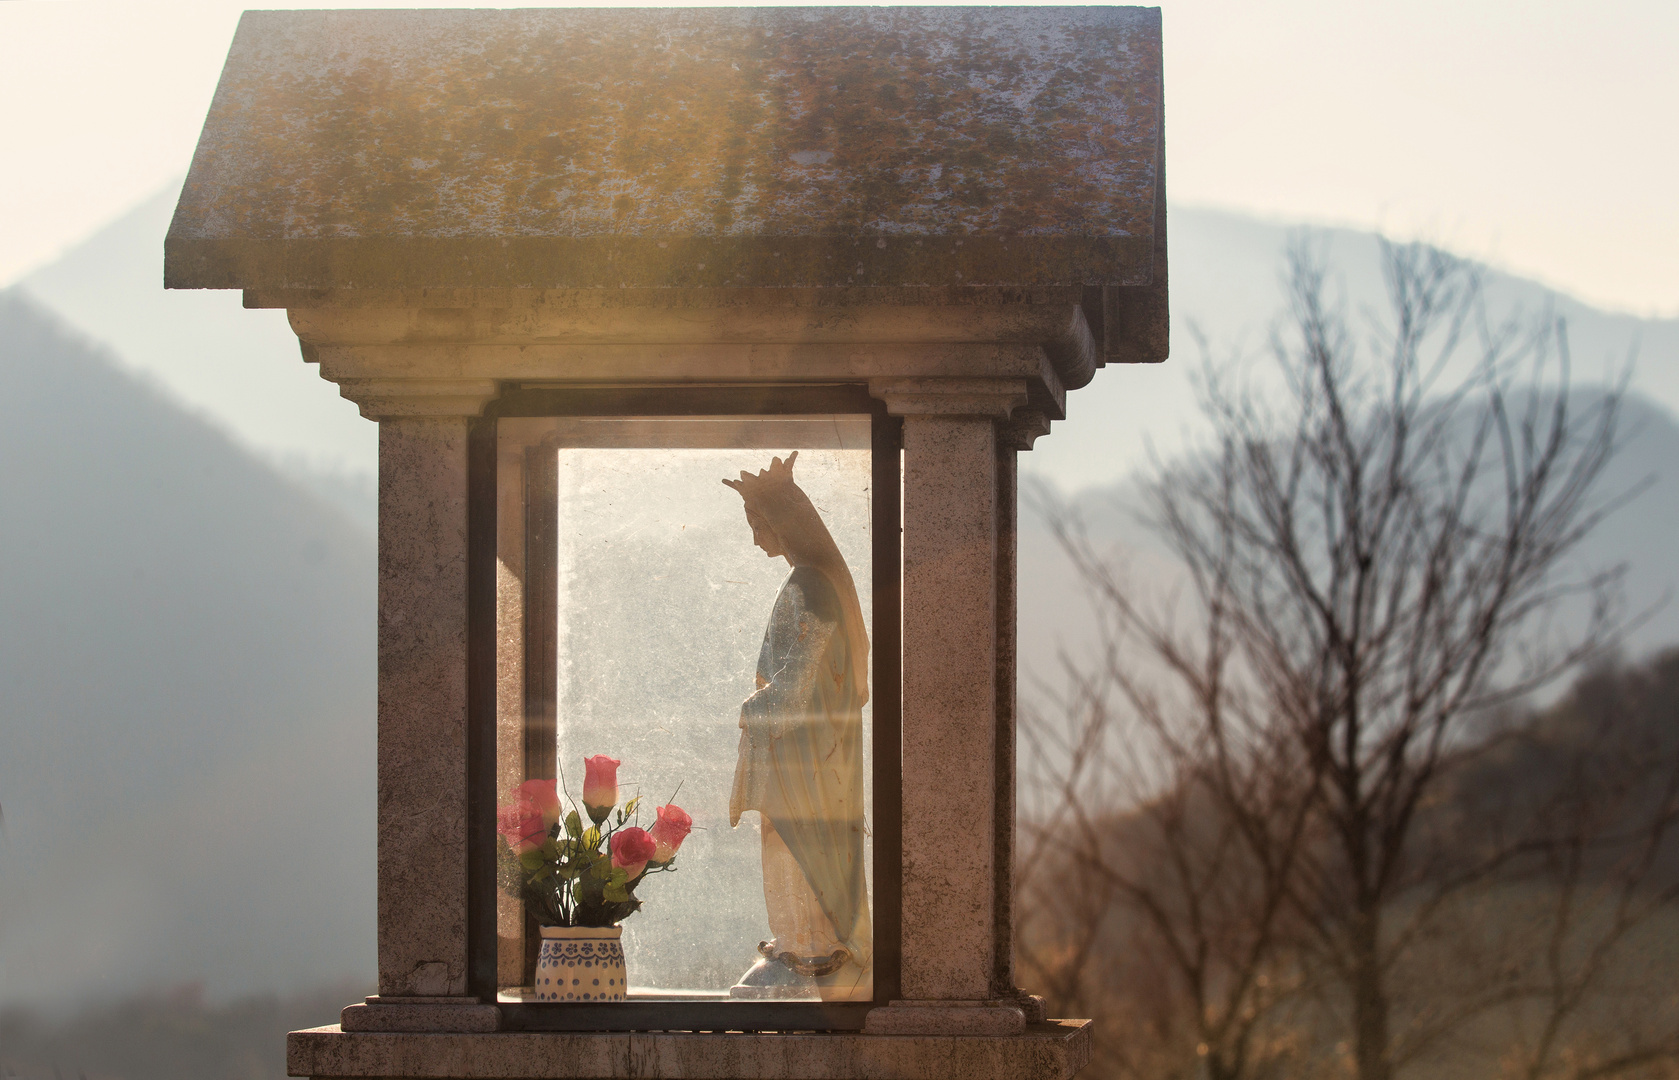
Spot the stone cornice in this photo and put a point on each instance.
(1041, 336)
(996, 398)
(1022, 429)
(556, 325)
(382, 398)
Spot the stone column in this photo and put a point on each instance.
(950, 946)
(1014, 435)
(422, 706)
(422, 751)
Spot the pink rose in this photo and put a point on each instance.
(600, 786)
(522, 825)
(542, 797)
(669, 831)
(631, 848)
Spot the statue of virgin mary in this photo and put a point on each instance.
(801, 754)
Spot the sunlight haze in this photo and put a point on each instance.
(213, 797)
(1535, 136)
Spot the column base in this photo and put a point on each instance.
(1054, 1050)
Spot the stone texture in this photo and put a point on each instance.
(1003, 763)
(422, 706)
(619, 316)
(395, 1014)
(1051, 1051)
(1136, 321)
(949, 701)
(447, 345)
(672, 147)
(994, 398)
(990, 1018)
(379, 398)
(630, 364)
(1022, 429)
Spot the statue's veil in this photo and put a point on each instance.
(817, 812)
(773, 498)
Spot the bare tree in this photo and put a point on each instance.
(1204, 864)
(1373, 564)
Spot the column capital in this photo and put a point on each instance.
(379, 398)
(1023, 428)
(995, 398)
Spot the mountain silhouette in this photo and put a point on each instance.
(239, 368)
(186, 695)
(1228, 289)
(1056, 617)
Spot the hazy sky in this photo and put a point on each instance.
(1540, 136)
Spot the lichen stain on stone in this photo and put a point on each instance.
(683, 123)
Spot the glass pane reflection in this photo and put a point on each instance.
(673, 607)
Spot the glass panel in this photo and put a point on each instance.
(710, 638)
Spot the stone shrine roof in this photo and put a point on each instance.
(664, 147)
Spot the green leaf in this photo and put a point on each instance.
(616, 893)
(629, 807)
(591, 838)
(574, 826)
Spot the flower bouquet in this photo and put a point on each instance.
(579, 875)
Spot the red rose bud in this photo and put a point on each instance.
(600, 786)
(542, 797)
(669, 831)
(522, 826)
(631, 848)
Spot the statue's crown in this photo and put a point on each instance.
(754, 487)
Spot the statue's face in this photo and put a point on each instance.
(765, 537)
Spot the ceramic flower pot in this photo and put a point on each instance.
(580, 963)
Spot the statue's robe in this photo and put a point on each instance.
(801, 768)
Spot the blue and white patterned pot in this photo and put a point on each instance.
(580, 963)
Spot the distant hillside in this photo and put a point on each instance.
(1601, 934)
(239, 369)
(186, 695)
(1055, 614)
(1228, 289)
(1226, 280)
(167, 1036)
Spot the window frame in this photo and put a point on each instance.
(685, 400)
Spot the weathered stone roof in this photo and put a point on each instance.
(580, 148)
